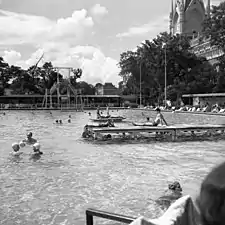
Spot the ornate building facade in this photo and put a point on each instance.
(186, 18)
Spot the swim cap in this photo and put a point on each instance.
(36, 147)
(15, 146)
(22, 144)
(29, 134)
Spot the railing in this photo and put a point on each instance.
(90, 213)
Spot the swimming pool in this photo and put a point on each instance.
(73, 174)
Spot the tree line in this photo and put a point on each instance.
(186, 73)
(35, 80)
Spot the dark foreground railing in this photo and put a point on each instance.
(90, 213)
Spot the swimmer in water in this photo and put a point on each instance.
(56, 121)
(60, 121)
(69, 120)
(36, 152)
(69, 116)
(29, 140)
(16, 148)
(173, 193)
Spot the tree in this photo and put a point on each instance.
(149, 61)
(87, 89)
(22, 82)
(214, 28)
(77, 73)
(5, 75)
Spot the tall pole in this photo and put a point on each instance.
(58, 87)
(140, 85)
(165, 77)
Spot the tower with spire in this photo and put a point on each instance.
(186, 16)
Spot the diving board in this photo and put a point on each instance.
(172, 130)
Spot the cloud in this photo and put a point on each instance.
(95, 65)
(61, 41)
(98, 10)
(29, 29)
(153, 28)
(11, 56)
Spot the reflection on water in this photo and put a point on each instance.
(73, 174)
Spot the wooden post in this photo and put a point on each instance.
(46, 98)
(174, 135)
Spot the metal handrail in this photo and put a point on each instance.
(90, 213)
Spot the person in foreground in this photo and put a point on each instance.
(211, 200)
(209, 208)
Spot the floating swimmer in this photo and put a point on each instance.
(16, 148)
(29, 140)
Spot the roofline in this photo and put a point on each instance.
(42, 96)
(204, 95)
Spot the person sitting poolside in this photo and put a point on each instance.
(98, 112)
(29, 140)
(159, 120)
(109, 123)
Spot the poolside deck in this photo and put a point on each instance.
(173, 131)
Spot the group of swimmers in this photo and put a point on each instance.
(60, 121)
(28, 141)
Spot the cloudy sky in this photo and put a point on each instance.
(89, 34)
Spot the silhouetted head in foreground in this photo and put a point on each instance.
(211, 200)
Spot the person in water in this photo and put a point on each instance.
(87, 132)
(16, 149)
(173, 193)
(29, 140)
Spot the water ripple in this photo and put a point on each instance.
(123, 177)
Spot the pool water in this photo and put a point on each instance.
(74, 174)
